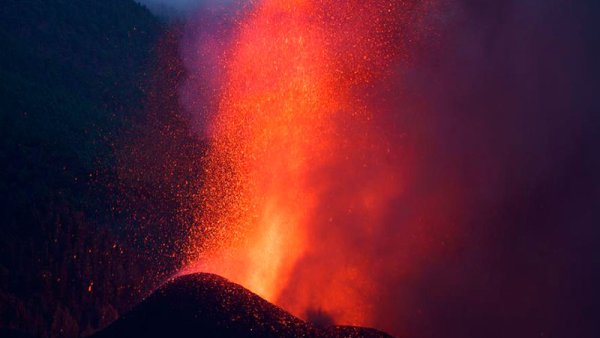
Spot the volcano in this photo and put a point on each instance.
(205, 304)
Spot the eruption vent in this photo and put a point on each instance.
(302, 169)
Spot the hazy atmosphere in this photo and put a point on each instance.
(180, 6)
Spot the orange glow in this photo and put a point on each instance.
(298, 158)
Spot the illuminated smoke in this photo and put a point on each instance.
(303, 167)
(391, 163)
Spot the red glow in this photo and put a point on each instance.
(302, 171)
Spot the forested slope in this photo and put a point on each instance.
(73, 77)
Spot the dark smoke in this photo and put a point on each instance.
(512, 116)
(319, 318)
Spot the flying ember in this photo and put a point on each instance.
(301, 171)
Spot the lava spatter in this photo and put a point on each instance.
(300, 170)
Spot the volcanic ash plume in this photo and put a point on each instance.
(304, 164)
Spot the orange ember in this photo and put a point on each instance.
(298, 159)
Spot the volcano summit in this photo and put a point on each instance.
(208, 305)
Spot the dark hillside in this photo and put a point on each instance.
(72, 76)
(206, 305)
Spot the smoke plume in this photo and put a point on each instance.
(434, 176)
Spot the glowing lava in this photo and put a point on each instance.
(300, 172)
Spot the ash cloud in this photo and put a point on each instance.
(513, 121)
(502, 113)
(504, 122)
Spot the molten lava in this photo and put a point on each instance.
(301, 171)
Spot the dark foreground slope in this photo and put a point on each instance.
(71, 73)
(206, 305)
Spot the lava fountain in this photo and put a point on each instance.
(302, 170)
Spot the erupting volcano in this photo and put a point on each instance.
(299, 168)
(302, 165)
